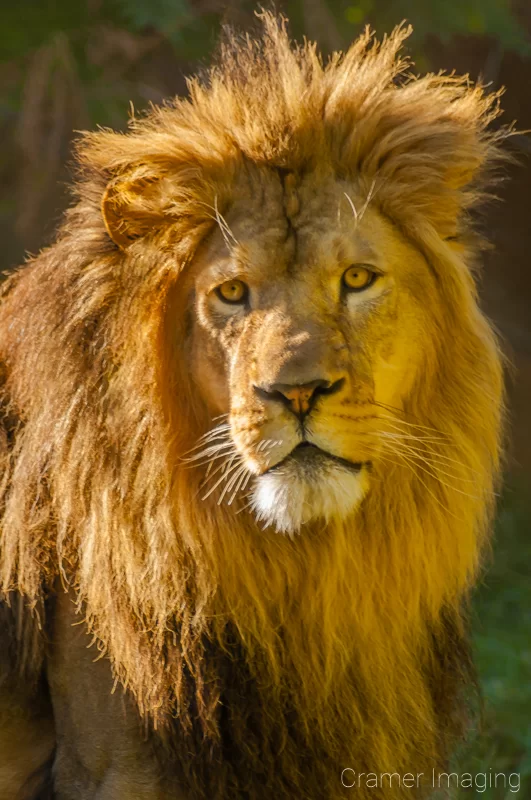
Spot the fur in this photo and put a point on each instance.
(280, 659)
(282, 499)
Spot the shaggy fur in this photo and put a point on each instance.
(276, 661)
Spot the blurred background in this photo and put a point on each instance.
(67, 65)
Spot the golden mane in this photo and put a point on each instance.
(349, 641)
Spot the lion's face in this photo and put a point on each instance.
(308, 322)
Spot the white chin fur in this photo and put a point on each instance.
(290, 497)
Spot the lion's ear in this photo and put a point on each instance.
(131, 208)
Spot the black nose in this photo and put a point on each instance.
(299, 398)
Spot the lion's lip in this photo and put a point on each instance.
(309, 453)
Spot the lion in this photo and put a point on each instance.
(252, 424)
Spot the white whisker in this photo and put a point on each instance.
(203, 457)
(370, 195)
(234, 480)
(429, 456)
(220, 432)
(407, 463)
(225, 474)
(244, 476)
(353, 207)
(433, 473)
(221, 220)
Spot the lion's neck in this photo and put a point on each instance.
(325, 643)
(316, 695)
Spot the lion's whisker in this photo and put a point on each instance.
(212, 448)
(237, 488)
(370, 194)
(431, 456)
(358, 215)
(224, 232)
(440, 435)
(395, 410)
(353, 207)
(237, 475)
(433, 432)
(211, 463)
(218, 433)
(208, 447)
(411, 466)
(268, 444)
(241, 467)
(208, 452)
(236, 482)
(413, 454)
(392, 423)
(246, 482)
(225, 474)
(240, 474)
(432, 452)
(223, 468)
(231, 475)
(220, 430)
(434, 473)
(222, 223)
(221, 219)
(203, 458)
(242, 478)
(401, 431)
(408, 429)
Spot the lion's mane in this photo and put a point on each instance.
(287, 659)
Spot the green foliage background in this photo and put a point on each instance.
(502, 644)
(66, 65)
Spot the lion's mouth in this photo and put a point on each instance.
(311, 457)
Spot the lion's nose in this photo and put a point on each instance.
(299, 398)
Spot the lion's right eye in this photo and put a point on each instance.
(358, 277)
(234, 292)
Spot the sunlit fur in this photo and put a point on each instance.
(344, 647)
(290, 499)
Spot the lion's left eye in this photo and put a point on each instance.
(235, 291)
(358, 277)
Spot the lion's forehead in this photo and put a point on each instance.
(313, 208)
(269, 245)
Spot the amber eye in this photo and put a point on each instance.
(232, 291)
(358, 277)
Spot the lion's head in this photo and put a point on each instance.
(260, 319)
(311, 327)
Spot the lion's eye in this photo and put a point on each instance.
(235, 291)
(358, 277)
